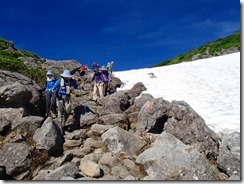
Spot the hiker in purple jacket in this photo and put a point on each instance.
(107, 79)
(98, 79)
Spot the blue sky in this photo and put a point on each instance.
(133, 33)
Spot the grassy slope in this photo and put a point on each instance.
(9, 61)
(214, 47)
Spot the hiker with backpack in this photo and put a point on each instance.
(95, 66)
(107, 78)
(110, 67)
(98, 80)
(50, 94)
(65, 85)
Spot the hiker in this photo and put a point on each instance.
(95, 66)
(50, 95)
(110, 67)
(106, 81)
(65, 84)
(98, 79)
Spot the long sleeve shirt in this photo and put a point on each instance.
(98, 77)
(62, 89)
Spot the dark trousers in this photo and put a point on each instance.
(51, 103)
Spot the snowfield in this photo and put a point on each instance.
(210, 86)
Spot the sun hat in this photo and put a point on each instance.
(49, 72)
(66, 74)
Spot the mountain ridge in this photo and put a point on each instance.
(227, 45)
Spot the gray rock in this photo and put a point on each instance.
(15, 93)
(117, 140)
(229, 158)
(16, 158)
(152, 116)
(120, 172)
(30, 62)
(234, 178)
(136, 90)
(27, 124)
(59, 66)
(170, 159)
(87, 119)
(119, 120)
(9, 115)
(9, 78)
(114, 104)
(48, 137)
(67, 170)
(90, 169)
(196, 57)
(98, 130)
(189, 127)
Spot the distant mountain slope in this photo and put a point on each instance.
(222, 46)
(21, 61)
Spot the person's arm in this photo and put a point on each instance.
(73, 83)
(43, 88)
(57, 84)
(75, 70)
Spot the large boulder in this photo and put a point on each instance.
(9, 115)
(170, 159)
(119, 120)
(115, 103)
(118, 140)
(189, 127)
(9, 78)
(48, 137)
(152, 116)
(14, 94)
(16, 158)
(27, 124)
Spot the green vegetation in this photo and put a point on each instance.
(212, 48)
(9, 60)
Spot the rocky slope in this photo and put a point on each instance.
(125, 136)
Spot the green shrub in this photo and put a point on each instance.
(216, 46)
(9, 61)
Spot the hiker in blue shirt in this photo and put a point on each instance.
(65, 85)
(98, 79)
(50, 94)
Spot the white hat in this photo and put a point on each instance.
(66, 74)
(49, 72)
